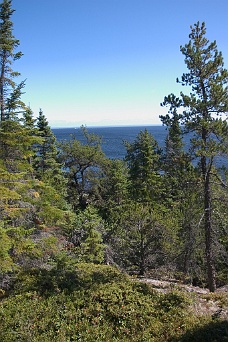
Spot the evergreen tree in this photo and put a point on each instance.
(115, 184)
(179, 173)
(23, 198)
(142, 157)
(46, 151)
(141, 237)
(10, 92)
(46, 164)
(15, 141)
(17, 210)
(28, 120)
(182, 191)
(174, 155)
(82, 163)
(203, 116)
(87, 236)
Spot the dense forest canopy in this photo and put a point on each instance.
(159, 212)
(158, 207)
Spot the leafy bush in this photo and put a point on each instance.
(86, 302)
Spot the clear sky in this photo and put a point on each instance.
(108, 62)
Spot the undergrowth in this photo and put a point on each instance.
(86, 302)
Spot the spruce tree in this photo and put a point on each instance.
(46, 164)
(46, 151)
(10, 91)
(28, 120)
(142, 158)
(23, 198)
(179, 172)
(15, 140)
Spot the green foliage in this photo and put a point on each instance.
(179, 174)
(202, 114)
(66, 275)
(46, 162)
(142, 237)
(50, 205)
(10, 92)
(82, 163)
(143, 163)
(102, 305)
(87, 236)
(23, 198)
(183, 189)
(6, 262)
(58, 289)
(113, 188)
(16, 247)
(16, 146)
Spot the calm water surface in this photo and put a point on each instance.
(113, 137)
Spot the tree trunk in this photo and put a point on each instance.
(142, 253)
(211, 274)
(2, 82)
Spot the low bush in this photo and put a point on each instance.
(103, 305)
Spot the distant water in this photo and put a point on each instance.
(113, 137)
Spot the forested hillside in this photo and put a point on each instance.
(77, 227)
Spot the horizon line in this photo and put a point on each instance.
(103, 126)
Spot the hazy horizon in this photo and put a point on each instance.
(99, 62)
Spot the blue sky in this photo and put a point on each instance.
(108, 62)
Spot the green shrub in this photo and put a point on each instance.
(103, 305)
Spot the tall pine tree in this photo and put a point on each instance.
(203, 116)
